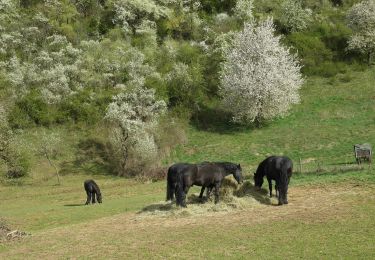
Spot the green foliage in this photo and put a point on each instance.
(30, 110)
(18, 167)
(84, 107)
(11, 153)
(61, 62)
(311, 50)
(213, 6)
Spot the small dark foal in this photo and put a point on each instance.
(92, 189)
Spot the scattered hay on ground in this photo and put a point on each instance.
(6, 234)
(232, 197)
(4, 230)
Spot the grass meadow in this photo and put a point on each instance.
(330, 214)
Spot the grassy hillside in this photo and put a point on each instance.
(63, 62)
(329, 215)
(334, 114)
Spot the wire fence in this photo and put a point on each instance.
(316, 165)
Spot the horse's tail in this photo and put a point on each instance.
(289, 169)
(180, 190)
(170, 185)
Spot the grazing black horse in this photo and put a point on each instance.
(92, 189)
(173, 174)
(278, 168)
(182, 176)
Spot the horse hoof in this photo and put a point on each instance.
(280, 203)
(286, 202)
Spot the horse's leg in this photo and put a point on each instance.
(88, 198)
(279, 198)
(270, 186)
(209, 190)
(202, 191)
(184, 197)
(172, 191)
(93, 197)
(217, 187)
(277, 191)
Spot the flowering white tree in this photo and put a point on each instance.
(112, 64)
(259, 78)
(244, 9)
(293, 16)
(134, 117)
(53, 69)
(128, 13)
(361, 19)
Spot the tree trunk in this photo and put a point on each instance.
(369, 58)
(54, 166)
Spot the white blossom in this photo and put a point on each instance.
(259, 78)
(293, 16)
(180, 76)
(361, 19)
(134, 116)
(244, 9)
(127, 11)
(137, 109)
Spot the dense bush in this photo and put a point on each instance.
(132, 118)
(311, 50)
(15, 160)
(63, 62)
(31, 110)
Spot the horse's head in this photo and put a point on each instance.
(258, 180)
(238, 174)
(99, 198)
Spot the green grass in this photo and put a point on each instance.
(47, 205)
(325, 226)
(324, 127)
(321, 222)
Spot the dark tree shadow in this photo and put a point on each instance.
(92, 157)
(157, 207)
(344, 163)
(74, 205)
(216, 120)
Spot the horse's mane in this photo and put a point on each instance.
(227, 165)
(260, 172)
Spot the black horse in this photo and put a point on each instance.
(173, 174)
(278, 168)
(92, 189)
(186, 169)
(182, 176)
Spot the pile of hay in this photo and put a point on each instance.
(232, 197)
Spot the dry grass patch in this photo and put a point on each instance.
(310, 210)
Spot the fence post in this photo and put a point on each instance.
(300, 165)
